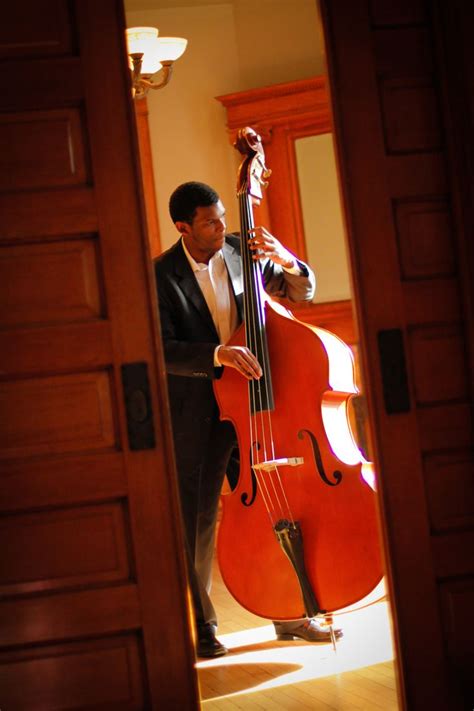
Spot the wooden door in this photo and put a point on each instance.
(402, 79)
(94, 610)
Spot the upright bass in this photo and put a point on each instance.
(299, 533)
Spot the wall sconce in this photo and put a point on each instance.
(148, 55)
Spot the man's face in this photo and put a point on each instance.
(205, 235)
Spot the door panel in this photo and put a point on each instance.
(413, 272)
(92, 577)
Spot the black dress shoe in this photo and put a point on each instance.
(208, 645)
(310, 630)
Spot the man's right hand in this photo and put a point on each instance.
(242, 359)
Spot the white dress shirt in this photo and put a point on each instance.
(213, 280)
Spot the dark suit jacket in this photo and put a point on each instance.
(190, 337)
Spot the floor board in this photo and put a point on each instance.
(262, 673)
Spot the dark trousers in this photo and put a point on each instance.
(201, 471)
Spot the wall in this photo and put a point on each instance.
(231, 47)
(187, 126)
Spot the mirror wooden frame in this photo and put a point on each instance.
(281, 114)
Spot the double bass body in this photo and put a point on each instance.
(300, 495)
(333, 504)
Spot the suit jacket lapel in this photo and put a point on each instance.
(234, 267)
(190, 288)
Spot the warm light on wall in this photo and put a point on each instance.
(150, 54)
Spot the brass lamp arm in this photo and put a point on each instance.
(142, 83)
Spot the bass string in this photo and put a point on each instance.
(260, 419)
(270, 479)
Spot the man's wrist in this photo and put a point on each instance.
(217, 362)
(293, 268)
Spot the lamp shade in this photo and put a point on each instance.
(144, 40)
(171, 48)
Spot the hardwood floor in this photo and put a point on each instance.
(261, 673)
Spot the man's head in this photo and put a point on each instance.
(199, 216)
(188, 197)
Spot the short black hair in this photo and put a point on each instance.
(188, 197)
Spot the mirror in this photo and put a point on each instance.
(321, 210)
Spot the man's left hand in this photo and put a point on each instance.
(264, 245)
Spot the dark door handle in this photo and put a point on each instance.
(136, 392)
(394, 372)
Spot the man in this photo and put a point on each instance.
(199, 284)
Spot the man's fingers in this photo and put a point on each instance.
(243, 360)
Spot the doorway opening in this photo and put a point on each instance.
(189, 141)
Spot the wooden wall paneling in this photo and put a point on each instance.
(64, 676)
(43, 151)
(90, 529)
(52, 282)
(65, 480)
(457, 606)
(447, 423)
(88, 346)
(47, 29)
(48, 213)
(71, 615)
(447, 476)
(410, 115)
(454, 24)
(54, 550)
(439, 364)
(386, 12)
(72, 413)
(394, 126)
(424, 229)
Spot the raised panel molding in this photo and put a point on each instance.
(439, 364)
(417, 55)
(432, 301)
(452, 554)
(448, 484)
(53, 481)
(92, 674)
(386, 12)
(424, 234)
(410, 115)
(78, 615)
(457, 615)
(57, 82)
(44, 30)
(54, 550)
(416, 175)
(55, 282)
(41, 149)
(46, 214)
(445, 426)
(39, 349)
(71, 413)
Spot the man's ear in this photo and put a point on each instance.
(182, 227)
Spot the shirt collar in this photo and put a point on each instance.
(199, 266)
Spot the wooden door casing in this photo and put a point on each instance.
(394, 108)
(148, 177)
(94, 608)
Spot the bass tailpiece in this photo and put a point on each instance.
(290, 539)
